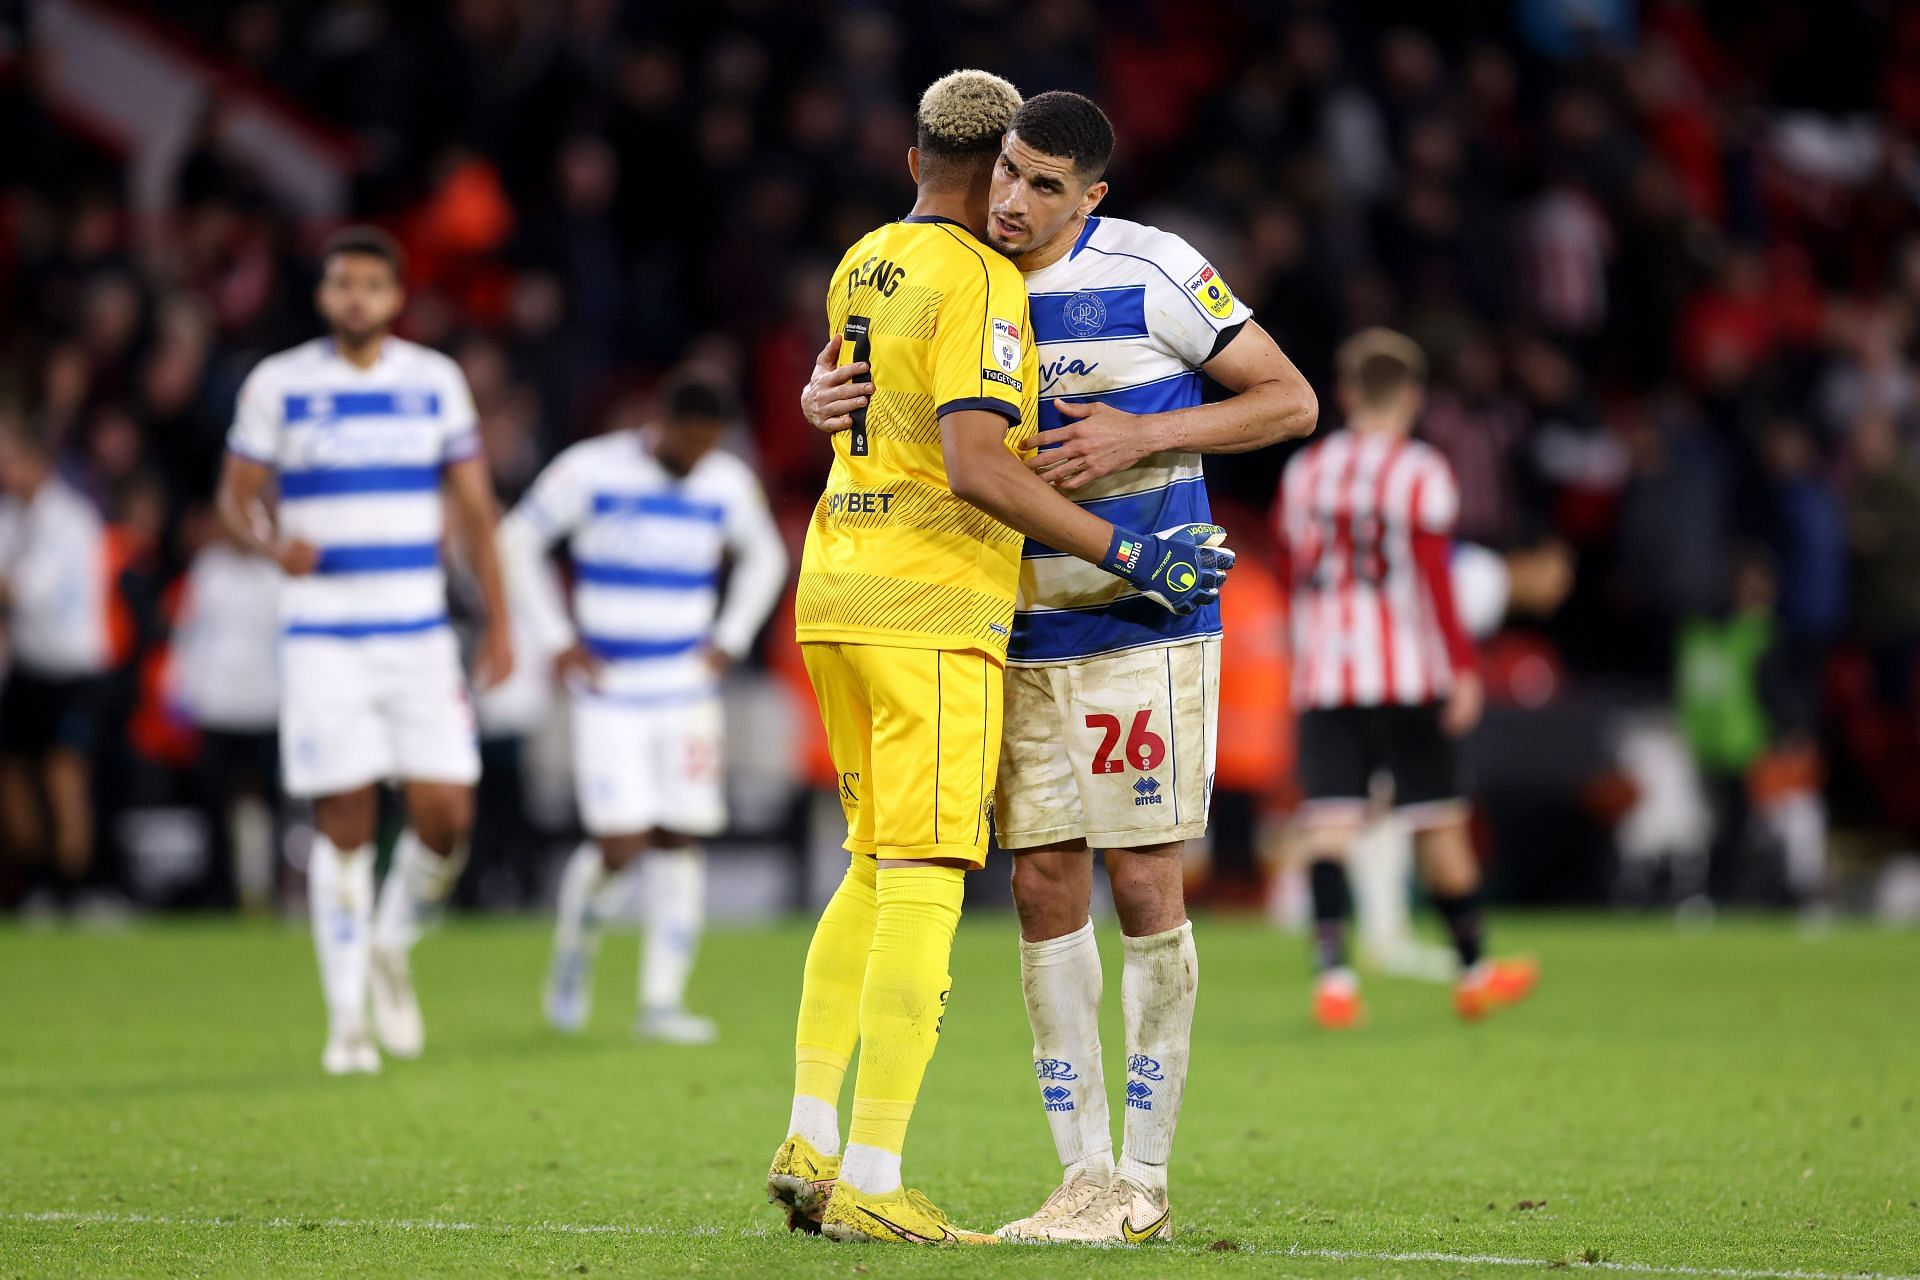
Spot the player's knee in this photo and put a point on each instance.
(347, 821)
(617, 852)
(1045, 898)
(1148, 893)
(443, 818)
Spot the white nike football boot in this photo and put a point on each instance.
(396, 1010)
(1124, 1212)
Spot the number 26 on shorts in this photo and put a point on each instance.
(1145, 749)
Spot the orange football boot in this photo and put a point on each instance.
(1494, 984)
(1336, 1000)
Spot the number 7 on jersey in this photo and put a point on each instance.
(858, 333)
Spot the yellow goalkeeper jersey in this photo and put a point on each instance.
(892, 557)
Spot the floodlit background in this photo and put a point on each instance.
(1665, 258)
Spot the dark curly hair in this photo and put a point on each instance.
(1067, 125)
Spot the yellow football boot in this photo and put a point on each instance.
(800, 1181)
(898, 1217)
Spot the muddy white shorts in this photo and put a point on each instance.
(1116, 750)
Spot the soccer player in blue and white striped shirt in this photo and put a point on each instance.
(373, 441)
(1111, 701)
(649, 514)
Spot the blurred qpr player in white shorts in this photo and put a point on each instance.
(373, 441)
(649, 514)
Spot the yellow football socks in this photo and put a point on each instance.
(901, 1007)
(830, 992)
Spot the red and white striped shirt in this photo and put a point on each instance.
(1366, 521)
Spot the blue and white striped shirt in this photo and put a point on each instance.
(647, 549)
(360, 454)
(1127, 319)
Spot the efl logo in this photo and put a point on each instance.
(1006, 345)
(1212, 293)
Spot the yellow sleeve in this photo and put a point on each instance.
(980, 338)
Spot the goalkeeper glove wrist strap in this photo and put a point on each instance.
(1137, 557)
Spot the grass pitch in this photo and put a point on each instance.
(1738, 1102)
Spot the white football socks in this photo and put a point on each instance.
(1062, 981)
(674, 908)
(1158, 984)
(870, 1169)
(340, 900)
(418, 881)
(816, 1120)
(577, 927)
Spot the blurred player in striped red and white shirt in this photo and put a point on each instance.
(1385, 672)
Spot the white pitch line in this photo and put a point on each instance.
(759, 1233)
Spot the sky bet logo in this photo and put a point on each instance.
(1147, 791)
(862, 504)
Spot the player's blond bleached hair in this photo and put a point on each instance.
(964, 114)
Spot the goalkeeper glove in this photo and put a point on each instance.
(1180, 569)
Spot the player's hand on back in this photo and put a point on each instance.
(1181, 569)
(834, 391)
(1096, 441)
(575, 665)
(296, 556)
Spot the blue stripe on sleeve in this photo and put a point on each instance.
(393, 557)
(337, 481)
(603, 574)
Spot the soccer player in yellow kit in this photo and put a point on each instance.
(904, 611)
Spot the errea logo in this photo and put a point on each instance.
(1147, 791)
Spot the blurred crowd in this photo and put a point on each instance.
(1665, 258)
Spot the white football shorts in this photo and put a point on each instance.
(1116, 750)
(646, 765)
(369, 709)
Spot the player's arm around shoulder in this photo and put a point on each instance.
(1200, 323)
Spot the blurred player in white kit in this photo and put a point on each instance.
(648, 514)
(373, 441)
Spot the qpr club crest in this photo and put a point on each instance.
(1084, 314)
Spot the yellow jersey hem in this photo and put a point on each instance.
(885, 639)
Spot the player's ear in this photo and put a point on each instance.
(913, 164)
(1090, 200)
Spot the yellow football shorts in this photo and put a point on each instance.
(915, 737)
